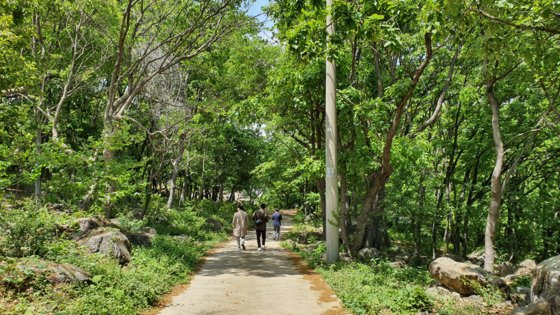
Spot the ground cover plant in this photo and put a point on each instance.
(29, 236)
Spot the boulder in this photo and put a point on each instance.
(85, 225)
(369, 253)
(538, 307)
(546, 284)
(345, 258)
(67, 273)
(475, 300)
(142, 238)
(54, 272)
(521, 296)
(456, 275)
(439, 291)
(526, 268)
(504, 269)
(111, 243)
(477, 257)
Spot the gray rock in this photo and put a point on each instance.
(54, 272)
(111, 243)
(85, 225)
(142, 238)
(526, 268)
(439, 291)
(521, 296)
(538, 307)
(546, 284)
(504, 269)
(369, 253)
(67, 273)
(475, 300)
(476, 257)
(457, 276)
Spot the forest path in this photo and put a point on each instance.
(274, 281)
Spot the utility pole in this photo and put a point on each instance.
(331, 176)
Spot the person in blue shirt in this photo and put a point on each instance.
(276, 223)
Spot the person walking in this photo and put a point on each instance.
(261, 218)
(240, 223)
(276, 223)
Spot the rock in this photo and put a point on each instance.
(86, 225)
(504, 269)
(111, 243)
(475, 300)
(346, 259)
(546, 284)
(477, 257)
(54, 272)
(521, 296)
(439, 291)
(67, 273)
(456, 275)
(526, 268)
(454, 257)
(142, 238)
(213, 225)
(369, 253)
(148, 230)
(499, 283)
(506, 305)
(58, 207)
(538, 307)
(398, 264)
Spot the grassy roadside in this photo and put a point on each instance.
(29, 234)
(378, 287)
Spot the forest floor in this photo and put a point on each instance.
(253, 282)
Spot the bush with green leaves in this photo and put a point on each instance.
(174, 254)
(376, 287)
(26, 231)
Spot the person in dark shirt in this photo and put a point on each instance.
(261, 217)
(276, 223)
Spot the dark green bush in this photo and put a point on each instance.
(26, 231)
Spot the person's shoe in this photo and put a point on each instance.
(243, 245)
(263, 247)
(259, 249)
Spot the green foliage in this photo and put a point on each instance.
(491, 295)
(378, 287)
(26, 231)
(153, 271)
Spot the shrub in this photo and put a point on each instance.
(26, 231)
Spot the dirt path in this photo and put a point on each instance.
(274, 281)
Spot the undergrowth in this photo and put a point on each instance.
(30, 234)
(368, 288)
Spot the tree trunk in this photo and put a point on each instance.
(38, 136)
(496, 186)
(175, 165)
(377, 179)
(108, 156)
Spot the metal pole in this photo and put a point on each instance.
(331, 176)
